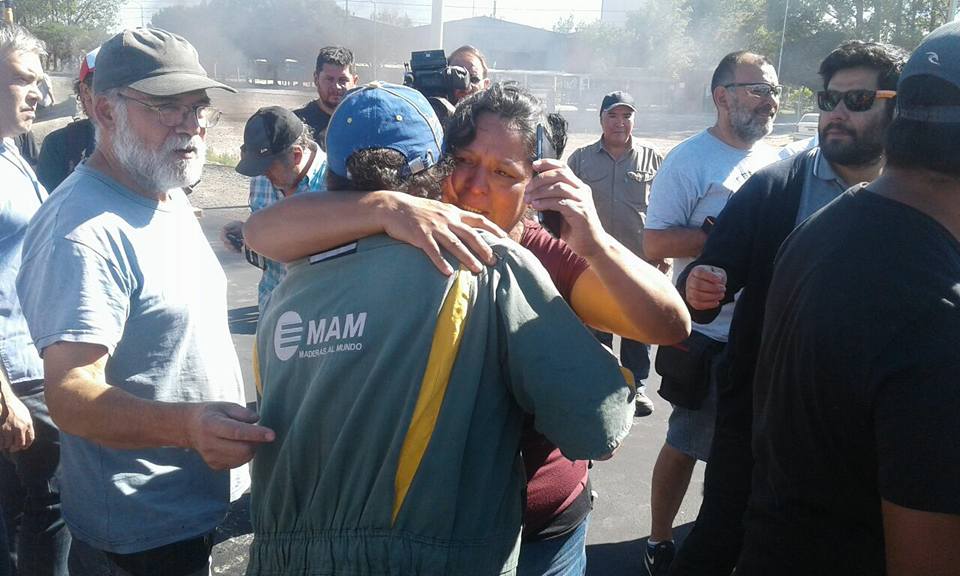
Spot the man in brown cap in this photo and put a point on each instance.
(127, 305)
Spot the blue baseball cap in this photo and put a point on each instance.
(938, 55)
(381, 115)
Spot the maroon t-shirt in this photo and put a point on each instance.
(554, 483)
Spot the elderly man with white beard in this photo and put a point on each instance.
(127, 304)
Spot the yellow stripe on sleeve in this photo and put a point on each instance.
(443, 352)
(256, 369)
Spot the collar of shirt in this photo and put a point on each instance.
(598, 148)
(315, 178)
(824, 171)
(11, 153)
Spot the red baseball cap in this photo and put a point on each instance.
(88, 64)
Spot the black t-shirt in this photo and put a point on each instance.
(857, 390)
(63, 150)
(314, 117)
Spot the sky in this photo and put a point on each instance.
(540, 13)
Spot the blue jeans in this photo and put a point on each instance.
(562, 556)
(43, 540)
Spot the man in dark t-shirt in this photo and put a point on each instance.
(334, 76)
(857, 388)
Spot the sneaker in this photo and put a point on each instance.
(643, 406)
(657, 559)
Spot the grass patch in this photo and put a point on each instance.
(222, 158)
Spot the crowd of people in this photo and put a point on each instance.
(438, 307)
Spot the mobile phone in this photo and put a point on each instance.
(551, 220)
(236, 239)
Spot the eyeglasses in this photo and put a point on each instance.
(854, 100)
(758, 89)
(173, 115)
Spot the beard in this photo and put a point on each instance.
(750, 125)
(332, 99)
(860, 150)
(157, 170)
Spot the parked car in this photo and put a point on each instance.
(807, 126)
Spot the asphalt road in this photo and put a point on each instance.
(621, 519)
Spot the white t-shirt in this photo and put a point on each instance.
(696, 180)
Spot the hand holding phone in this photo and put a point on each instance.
(551, 220)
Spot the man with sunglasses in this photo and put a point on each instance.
(692, 186)
(856, 107)
(856, 448)
(127, 304)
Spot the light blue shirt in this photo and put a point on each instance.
(21, 198)
(104, 265)
(263, 194)
(821, 185)
(695, 181)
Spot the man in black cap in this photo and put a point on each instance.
(857, 388)
(127, 304)
(619, 171)
(278, 148)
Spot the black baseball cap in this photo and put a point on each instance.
(152, 61)
(269, 133)
(618, 98)
(938, 55)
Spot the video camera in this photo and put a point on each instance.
(429, 73)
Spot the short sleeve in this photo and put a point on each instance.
(93, 310)
(574, 162)
(563, 264)
(673, 196)
(917, 427)
(558, 371)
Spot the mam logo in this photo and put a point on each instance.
(286, 338)
(323, 336)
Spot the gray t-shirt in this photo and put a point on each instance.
(694, 182)
(106, 266)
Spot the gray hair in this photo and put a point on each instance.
(116, 102)
(16, 38)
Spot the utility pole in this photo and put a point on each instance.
(953, 10)
(8, 11)
(783, 36)
(436, 24)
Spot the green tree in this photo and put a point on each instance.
(565, 25)
(69, 27)
(655, 36)
(393, 17)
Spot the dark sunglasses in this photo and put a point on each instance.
(854, 100)
(758, 89)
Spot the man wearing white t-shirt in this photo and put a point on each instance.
(691, 188)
